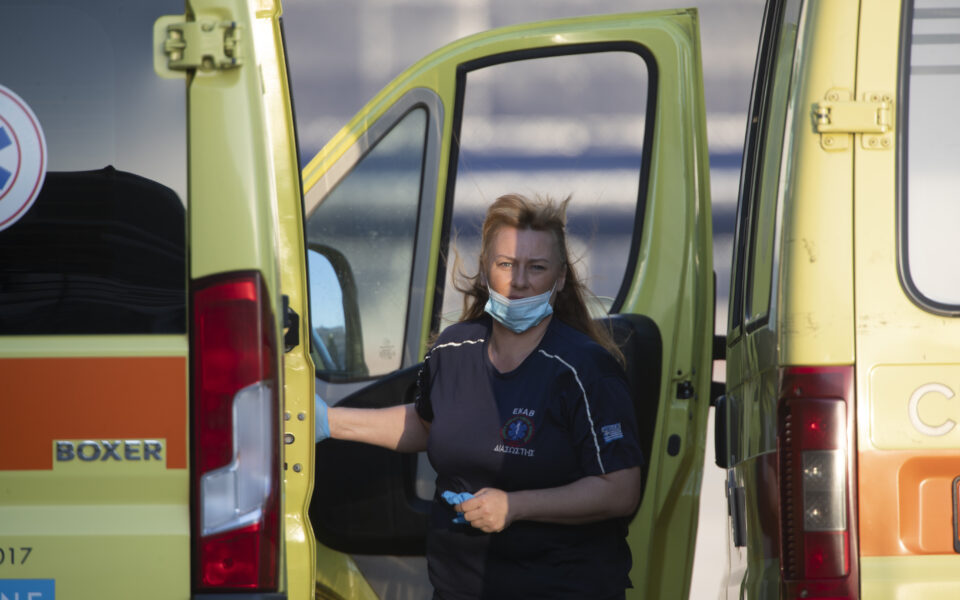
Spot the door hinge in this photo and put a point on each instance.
(205, 44)
(839, 115)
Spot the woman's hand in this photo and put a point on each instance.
(488, 510)
(586, 500)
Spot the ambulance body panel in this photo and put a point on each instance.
(837, 428)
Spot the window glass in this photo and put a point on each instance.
(101, 249)
(762, 251)
(525, 130)
(930, 211)
(752, 162)
(361, 238)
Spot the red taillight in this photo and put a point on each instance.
(817, 445)
(235, 439)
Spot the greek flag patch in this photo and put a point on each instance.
(611, 432)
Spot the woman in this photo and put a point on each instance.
(527, 419)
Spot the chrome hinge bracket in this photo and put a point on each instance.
(839, 116)
(205, 44)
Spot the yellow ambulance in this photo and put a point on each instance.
(838, 426)
(175, 292)
(171, 302)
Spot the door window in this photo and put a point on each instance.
(101, 250)
(360, 239)
(769, 185)
(525, 129)
(752, 275)
(929, 179)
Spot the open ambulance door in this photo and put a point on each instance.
(249, 371)
(608, 110)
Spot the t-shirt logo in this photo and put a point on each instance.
(517, 431)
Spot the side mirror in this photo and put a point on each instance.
(335, 333)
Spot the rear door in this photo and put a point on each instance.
(93, 344)
(133, 138)
(251, 383)
(606, 109)
(908, 302)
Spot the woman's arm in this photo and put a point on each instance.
(396, 428)
(592, 498)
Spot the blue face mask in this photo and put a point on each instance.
(521, 314)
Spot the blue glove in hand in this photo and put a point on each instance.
(321, 422)
(454, 499)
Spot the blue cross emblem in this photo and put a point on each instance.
(517, 430)
(4, 142)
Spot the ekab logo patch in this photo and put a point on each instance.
(517, 431)
(23, 157)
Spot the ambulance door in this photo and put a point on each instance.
(251, 374)
(251, 377)
(607, 110)
(93, 327)
(908, 301)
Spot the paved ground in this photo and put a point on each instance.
(709, 563)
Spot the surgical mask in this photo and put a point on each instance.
(521, 314)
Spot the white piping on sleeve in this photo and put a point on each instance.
(586, 402)
(454, 344)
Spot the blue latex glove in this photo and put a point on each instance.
(454, 499)
(321, 422)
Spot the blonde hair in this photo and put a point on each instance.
(540, 214)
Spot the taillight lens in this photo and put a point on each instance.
(817, 474)
(235, 438)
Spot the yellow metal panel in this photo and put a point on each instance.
(299, 542)
(72, 486)
(913, 407)
(298, 383)
(815, 312)
(339, 577)
(908, 372)
(232, 197)
(910, 577)
(92, 345)
(146, 547)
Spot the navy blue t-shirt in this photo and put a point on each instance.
(563, 414)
